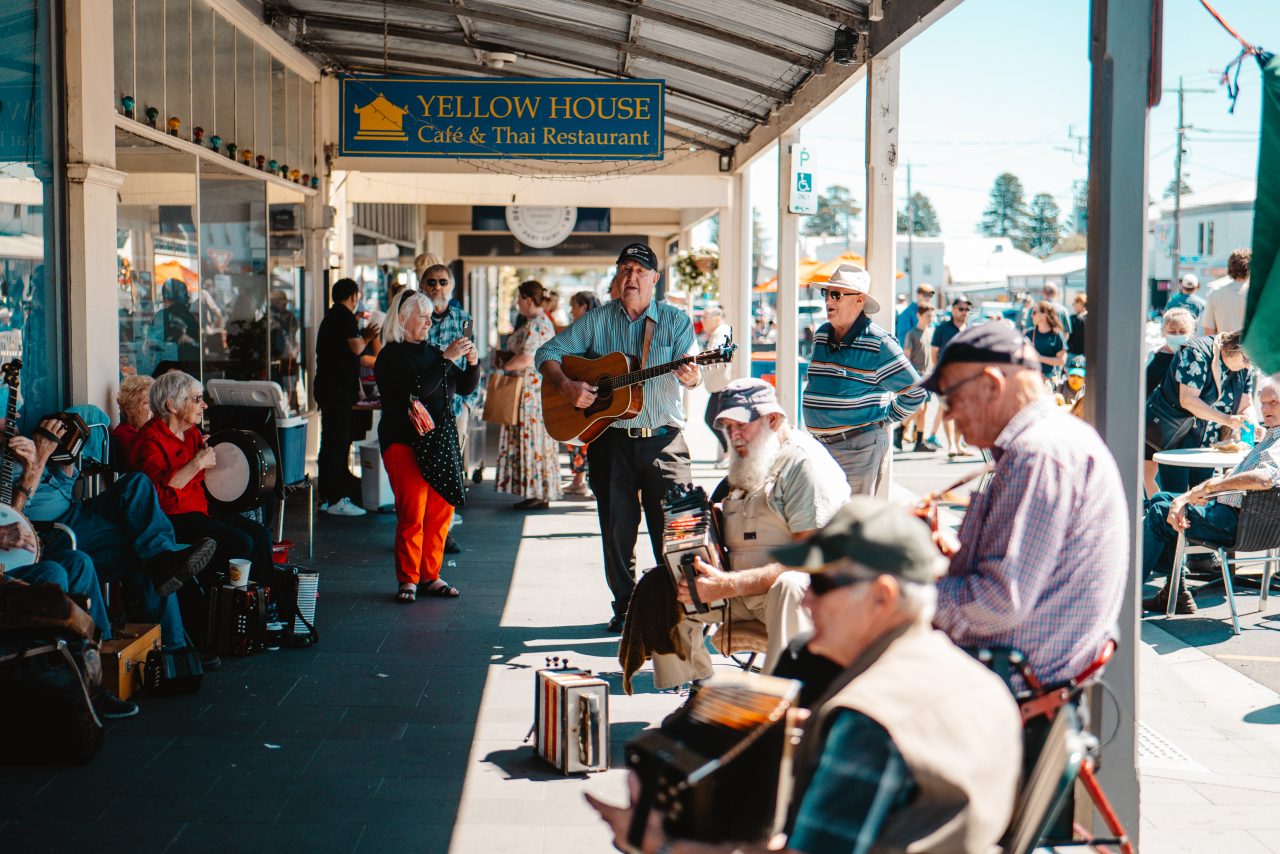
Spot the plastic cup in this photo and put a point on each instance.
(238, 572)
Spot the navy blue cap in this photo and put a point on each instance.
(641, 254)
(996, 342)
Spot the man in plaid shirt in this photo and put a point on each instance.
(1044, 549)
(449, 322)
(1203, 515)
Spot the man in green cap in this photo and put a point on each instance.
(915, 746)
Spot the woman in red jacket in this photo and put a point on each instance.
(171, 451)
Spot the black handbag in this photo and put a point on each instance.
(297, 606)
(48, 713)
(1167, 426)
(169, 673)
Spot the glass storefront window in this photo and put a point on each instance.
(233, 299)
(158, 268)
(287, 297)
(31, 304)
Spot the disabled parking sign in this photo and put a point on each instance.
(803, 198)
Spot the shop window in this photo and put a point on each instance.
(233, 300)
(287, 298)
(31, 205)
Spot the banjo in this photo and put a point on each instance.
(12, 558)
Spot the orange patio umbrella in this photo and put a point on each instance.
(823, 272)
(807, 266)
(174, 270)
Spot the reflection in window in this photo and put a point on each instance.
(30, 304)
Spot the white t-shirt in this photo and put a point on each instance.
(1224, 308)
(716, 377)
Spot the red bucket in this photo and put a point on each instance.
(280, 551)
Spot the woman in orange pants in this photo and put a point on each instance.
(419, 440)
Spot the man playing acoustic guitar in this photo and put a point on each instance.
(633, 462)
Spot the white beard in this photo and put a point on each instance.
(440, 305)
(750, 472)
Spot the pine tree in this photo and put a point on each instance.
(836, 212)
(1043, 227)
(1171, 190)
(1006, 213)
(1080, 207)
(924, 216)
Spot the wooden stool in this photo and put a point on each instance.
(738, 636)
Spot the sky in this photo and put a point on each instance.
(1001, 85)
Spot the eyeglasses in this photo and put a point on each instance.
(944, 394)
(835, 296)
(824, 582)
(436, 283)
(196, 398)
(962, 308)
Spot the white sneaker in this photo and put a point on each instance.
(344, 507)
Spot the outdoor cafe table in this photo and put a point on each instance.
(1200, 458)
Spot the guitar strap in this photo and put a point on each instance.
(649, 326)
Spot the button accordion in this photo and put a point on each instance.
(690, 529)
(571, 718)
(719, 768)
(238, 619)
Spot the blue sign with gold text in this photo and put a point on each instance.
(503, 117)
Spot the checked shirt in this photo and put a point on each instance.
(444, 332)
(1044, 548)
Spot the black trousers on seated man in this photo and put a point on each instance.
(628, 475)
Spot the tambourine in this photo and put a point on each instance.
(73, 439)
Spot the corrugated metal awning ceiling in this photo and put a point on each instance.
(728, 64)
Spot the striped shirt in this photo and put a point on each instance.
(1044, 549)
(443, 332)
(860, 380)
(609, 329)
(1262, 458)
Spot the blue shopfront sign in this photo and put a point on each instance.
(508, 117)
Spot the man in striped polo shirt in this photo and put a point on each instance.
(859, 381)
(632, 463)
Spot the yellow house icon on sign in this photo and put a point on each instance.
(381, 120)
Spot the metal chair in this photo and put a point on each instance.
(1258, 531)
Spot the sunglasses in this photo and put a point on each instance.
(436, 283)
(835, 296)
(963, 308)
(823, 583)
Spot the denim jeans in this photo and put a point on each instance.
(1213, 523)
(121, 528)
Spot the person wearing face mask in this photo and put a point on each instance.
(1177, 326)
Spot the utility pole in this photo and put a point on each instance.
(911, 236)
(1177, 195)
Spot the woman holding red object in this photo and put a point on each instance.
(419, 439)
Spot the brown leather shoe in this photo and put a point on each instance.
(1160, 602)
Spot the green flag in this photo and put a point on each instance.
(1262, 312)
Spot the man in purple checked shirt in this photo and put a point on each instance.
(1044, 548)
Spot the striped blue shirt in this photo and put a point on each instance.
(609, 329)
(860, 380)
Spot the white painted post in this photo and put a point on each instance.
(730, 273)
(92, 186)
(882, 159)
(788, 319)
(741, 317)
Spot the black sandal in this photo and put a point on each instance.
(442, 589)
(408, 593)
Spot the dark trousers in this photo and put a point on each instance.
(713, 409)
(628, 476)
(1213, 523)
(335, 446)
(236, 536)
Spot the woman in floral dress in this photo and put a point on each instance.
(528, 458)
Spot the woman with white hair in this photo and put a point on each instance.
(419, 439)
(172, 453)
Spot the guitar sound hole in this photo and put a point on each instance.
(604, 399)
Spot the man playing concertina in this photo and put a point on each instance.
(915, 746)
(783, 486)
(859, 381)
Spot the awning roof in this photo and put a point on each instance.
(729, 65)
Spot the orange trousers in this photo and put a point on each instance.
(422, 518)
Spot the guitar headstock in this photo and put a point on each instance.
(717, 355)
(10, 372)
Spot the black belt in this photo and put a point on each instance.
(832, 438)
(646, 432)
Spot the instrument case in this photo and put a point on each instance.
(124, 657)
(571, 719)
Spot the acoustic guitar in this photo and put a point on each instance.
(12, 558)
(619, 382)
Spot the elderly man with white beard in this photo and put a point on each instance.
(783, 486)
(449, 322)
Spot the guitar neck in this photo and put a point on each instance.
(6, 456)
(644, 374)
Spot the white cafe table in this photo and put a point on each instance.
(1200, 458)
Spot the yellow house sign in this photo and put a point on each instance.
(381, 120)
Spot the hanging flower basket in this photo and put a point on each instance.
(698, 272)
